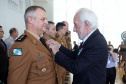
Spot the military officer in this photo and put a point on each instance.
(50, 33)
(68, 40)
(30, 61)
(61, 72)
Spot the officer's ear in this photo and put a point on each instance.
(30, 20)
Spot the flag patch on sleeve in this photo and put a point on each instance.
(17, 52)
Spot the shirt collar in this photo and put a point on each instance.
(11, 38)
(88, 36)
(35, 35)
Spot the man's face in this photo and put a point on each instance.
(111, 48)
(16, 33)
(79, 27)
(52, 31)
(1, 33)
(63, 30)
(40, 21)
(67, 26)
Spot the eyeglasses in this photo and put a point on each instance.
(2, 31)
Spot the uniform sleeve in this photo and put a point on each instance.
(19, 64)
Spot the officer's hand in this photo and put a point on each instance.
(51, 41)
(54, 48)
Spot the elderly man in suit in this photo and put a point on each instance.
(30, 62)
(88, 64)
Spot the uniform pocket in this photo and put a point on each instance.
(43, 67)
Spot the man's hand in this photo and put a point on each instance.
(51, 41)
(54, 45)
(54, 48)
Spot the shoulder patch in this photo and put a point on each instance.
(17, 52)
(21, 38)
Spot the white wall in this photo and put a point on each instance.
(111, 18)
(11, 16)
(48, 6)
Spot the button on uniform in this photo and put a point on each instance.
(43, 69)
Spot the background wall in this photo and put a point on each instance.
(110, 13)
(48, 6)
(12, 15)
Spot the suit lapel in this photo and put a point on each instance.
(48, 46)
(90, 38)
(3, 45)
(84, 46)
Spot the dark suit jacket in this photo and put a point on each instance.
(3, 59)
(89, 66)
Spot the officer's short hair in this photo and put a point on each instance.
(0, 26)
(12, 30)
(59, 25)
(48, 25)
(31, 12)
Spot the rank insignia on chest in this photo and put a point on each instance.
(41, 57)
(17, 52)
(38, 53)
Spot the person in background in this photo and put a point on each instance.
(68, 40)
(11, 39)
(88, 64)
(67, 29)
(61, 31)
(3, 58)
(121, 51)
(30, 62)
(109, 43)
(110, 67)
(75, 46)
(50, 31)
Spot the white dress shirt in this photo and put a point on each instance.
(9, 42)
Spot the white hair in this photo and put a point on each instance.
(88, 15)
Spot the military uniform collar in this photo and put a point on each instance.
(35, 35)
(39, 45)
